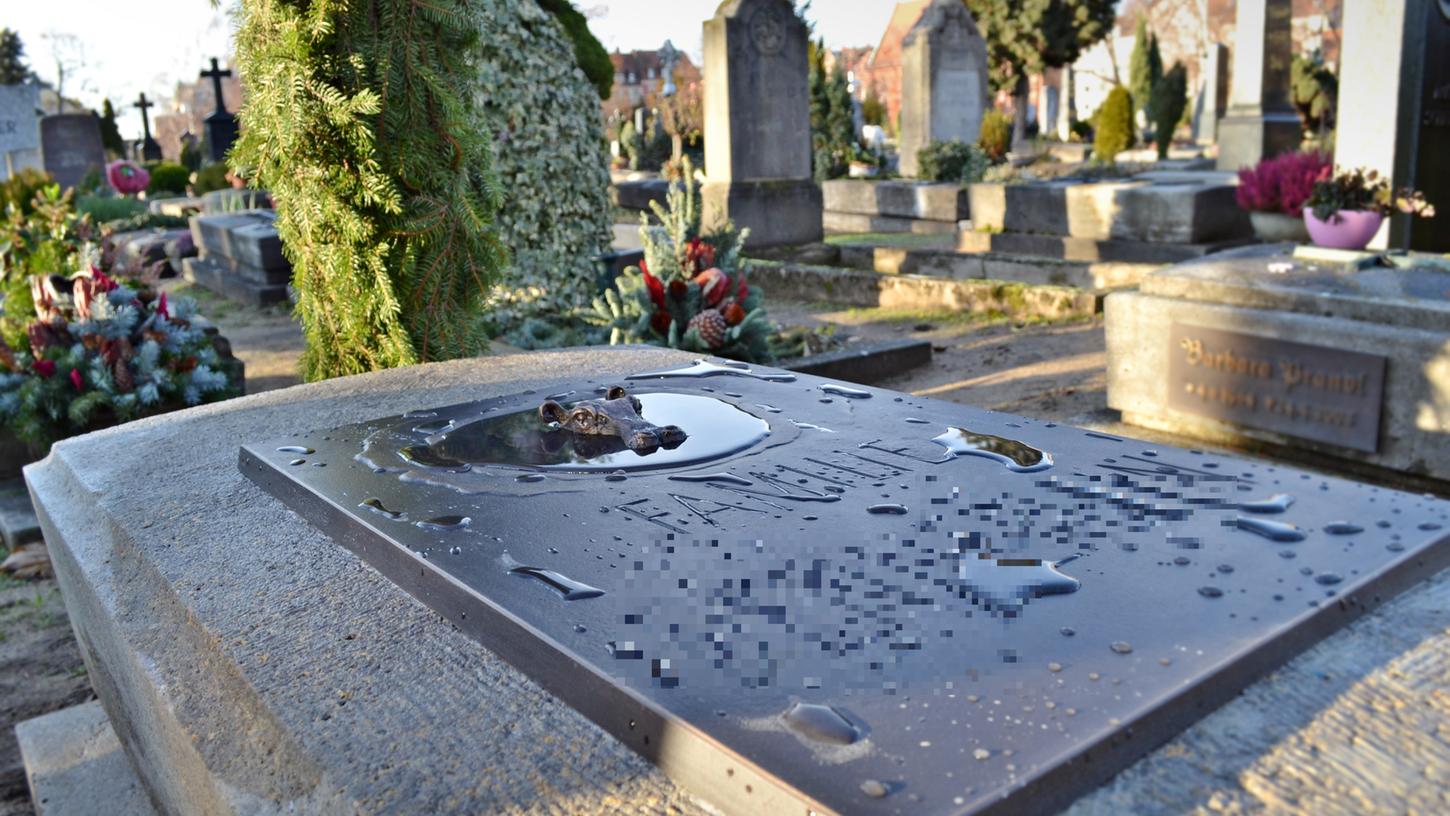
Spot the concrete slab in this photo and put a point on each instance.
(920, 201)
(1160, 211)
(76, 767)
(1093, 276)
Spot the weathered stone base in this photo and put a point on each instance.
(777, 211)
(74, 765)
(1069, 248)
(213, 274)
(1037, 271)
(840, 222)
(1130, 210)
(850, 287)
(1243, 139)
(1415, 421)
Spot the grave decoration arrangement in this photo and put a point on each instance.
(1345, 209)
(1273, 192)
(127, 177)
(690, 291)
(80, 353)
(100, 353)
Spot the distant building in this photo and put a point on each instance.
(880, 71)
(638, 77)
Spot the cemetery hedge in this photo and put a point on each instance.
(550, 161)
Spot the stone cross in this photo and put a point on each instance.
(150, 150)
(1261, 120)
(221, 126)
(215, 75)
(943, 80)
(758, 124)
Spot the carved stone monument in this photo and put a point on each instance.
(1404, 135)
(757, 124)
(943, 80)
(71, 146)
(1261, 120)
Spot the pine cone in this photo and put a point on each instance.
(121, 375)
(711, 325)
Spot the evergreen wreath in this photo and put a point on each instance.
(690, 291)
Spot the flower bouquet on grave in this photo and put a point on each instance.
(101, 353)
(690, 291)
(1273, 192)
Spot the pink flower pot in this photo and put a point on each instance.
(1346, 229)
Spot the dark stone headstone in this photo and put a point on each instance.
(240, 256)
(70, 144)
(221, 126)
(851, 600)
(1261, 120)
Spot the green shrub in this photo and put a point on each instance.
(995, 137)
(168, 177)
(211, 177)
(102, 209)
(1170, 99)
(592, 58)
(191, 155)
(1114, 124)
(1145, 68)
(952, 161)
(20, 189)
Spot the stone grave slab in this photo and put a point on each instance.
(71, 148)
(836, 599)
(240, 256)
(1316, 358)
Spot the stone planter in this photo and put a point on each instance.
(1346, 229)
(1277, 228)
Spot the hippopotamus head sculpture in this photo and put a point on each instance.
(617, 415)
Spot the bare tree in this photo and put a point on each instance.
(69, 56)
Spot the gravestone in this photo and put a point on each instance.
(1404, 135)
(240, 256)
(943, 81)
(299, 678)
(1067, 105)
(757, 124)
(221, 125)
(1256, 346)
(1208, 104)
(70, 144)
(1260, 120)
(19, 127)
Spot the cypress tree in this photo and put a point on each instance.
(110, 133)
(1145, 68)
(1170, 98)
(360, 120)
(13, 69)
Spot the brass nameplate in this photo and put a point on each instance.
(1312, 392)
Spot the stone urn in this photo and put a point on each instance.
(1346, 229)
(1277, 228)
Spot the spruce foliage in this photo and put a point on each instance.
(360, 120)
(13, 69)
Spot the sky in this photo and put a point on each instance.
(120, 52)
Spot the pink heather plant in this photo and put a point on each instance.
(1283, 183)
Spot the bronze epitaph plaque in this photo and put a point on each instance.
(1312, 392)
